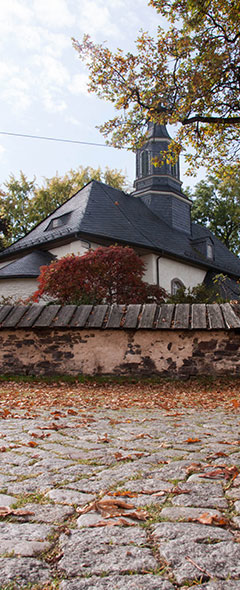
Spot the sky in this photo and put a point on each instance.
(44, 84)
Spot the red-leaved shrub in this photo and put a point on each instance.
(105, 275)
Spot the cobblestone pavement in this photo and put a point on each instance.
(120, 500)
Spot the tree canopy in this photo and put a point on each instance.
(188, 76)
(216, 204)
(23, 203)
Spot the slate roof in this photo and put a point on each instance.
(28, 266)
(100, 211)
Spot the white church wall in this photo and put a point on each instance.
(17, 288)
(150, 274)
(78, 247)
(189, 275)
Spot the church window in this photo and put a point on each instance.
(176, 284)
(145, 163)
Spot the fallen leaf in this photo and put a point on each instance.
(192, 440)
(235, 403)
(32, 443)
(193, 467)
(104, 439)
(123, 493)
(143, 435)
(6, 511)
(119, 522)
(210, 519)
(177, 491)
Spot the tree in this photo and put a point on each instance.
(23, 203)
(216, 204)
(189, 75)
(110, 275)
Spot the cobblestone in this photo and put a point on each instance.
(55, 481)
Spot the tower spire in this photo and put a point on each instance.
(160, 186)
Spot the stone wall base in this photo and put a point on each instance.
(167, 353)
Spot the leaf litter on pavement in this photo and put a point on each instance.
(167, 395)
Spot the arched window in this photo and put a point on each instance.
(145, 163)
(176, 284)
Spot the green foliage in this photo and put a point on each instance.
(187, 75)
(201, 293)
(216, 204)
(105, 275)
(23, 203)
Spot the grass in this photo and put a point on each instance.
(208, 381)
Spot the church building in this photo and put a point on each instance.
(155, 220)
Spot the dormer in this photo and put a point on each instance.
(204, 247)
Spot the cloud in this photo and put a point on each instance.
(2, 150)
(50, 70)
(78, 84)
(96, 17)
(52, 103)
(53, 13)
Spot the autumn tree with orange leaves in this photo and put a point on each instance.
(188, 75)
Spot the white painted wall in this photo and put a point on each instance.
(78, 247)
(150, 274)
(17, 288)
(171, 269)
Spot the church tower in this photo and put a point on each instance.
(160, 187)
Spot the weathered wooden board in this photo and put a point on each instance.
(231, 319)
(46, 317)
(15, 316)
(199, 316)
(116, 313)
(182, 316)
(64, 316)
(31, 316)
(80, 317)
(131, 318)
(164, 320)
(147, 317)
(215, 317)
(97, 316)
(4, 311)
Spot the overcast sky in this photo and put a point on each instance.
(43, 83)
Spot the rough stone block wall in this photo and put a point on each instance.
(172, 353)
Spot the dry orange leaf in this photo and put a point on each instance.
(210, 519)
(192, 440)
(123, 493)
(104, 439)
(143, 435)
(32, 443)
(119, 522)
(6, 511)
(193, 467)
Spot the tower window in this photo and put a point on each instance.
(145, 163)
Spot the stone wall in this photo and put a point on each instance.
(76, 345)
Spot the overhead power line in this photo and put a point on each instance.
(55, 139)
